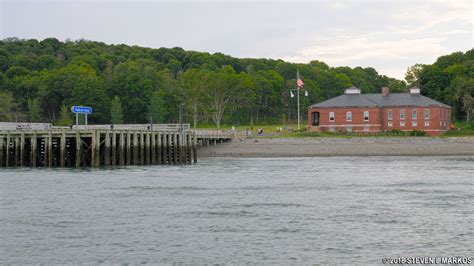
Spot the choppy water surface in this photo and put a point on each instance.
(288, 210)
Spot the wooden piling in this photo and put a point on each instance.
(135, 148)
(167, 148)
(122, 149)
(159, 149)
(142, 148)
(78, 149)
(33, 150)
(129, 139)
(153, 148)
(107, 149)
(50, 149)
(175, 148)
(62, 151)
(22, 149)
(114, 148)
(7, 155)
(194, 147)
(147, 148)
(1, 150)
(17, 151)
(93, 147)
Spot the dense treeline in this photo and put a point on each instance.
(41, 80)
(449, 80)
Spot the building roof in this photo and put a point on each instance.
(377, 100)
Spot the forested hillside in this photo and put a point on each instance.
(41, 80)
(449, 80)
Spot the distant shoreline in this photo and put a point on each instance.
(328, 146)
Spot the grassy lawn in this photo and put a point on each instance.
(271, 131)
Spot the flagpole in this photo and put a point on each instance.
(298, 96)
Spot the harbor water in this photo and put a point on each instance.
(243, 210)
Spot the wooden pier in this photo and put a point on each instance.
(77, 148)
(43, 145)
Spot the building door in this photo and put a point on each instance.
(315, 119)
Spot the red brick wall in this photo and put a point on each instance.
(439, 121)
(340, 123)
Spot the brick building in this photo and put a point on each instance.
(356, 112)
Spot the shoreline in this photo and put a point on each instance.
(335, 147)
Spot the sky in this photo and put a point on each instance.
(389, 35)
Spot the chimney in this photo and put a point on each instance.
(385, 91)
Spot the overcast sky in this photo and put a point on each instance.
(387, 35)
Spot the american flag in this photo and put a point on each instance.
(299, 82)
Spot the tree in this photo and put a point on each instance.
(225, 85)
(116, 111)
(133, 83)
(468, 103)
(64, 117)
(8, 107)
(463, 95)
(156, 108)
(413, 74)
(34, 110)
(194, 84)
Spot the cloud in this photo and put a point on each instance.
(350, 50)
(413, 32)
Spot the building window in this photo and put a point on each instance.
(402, 114)
(349, 129)
(366, 115)
(349, 116)
(427, 123)
(414, 115)
(427, 114)
(414, 124)
(366, 128)
(402, 123)
(390, 115)
(390, 124)
(331, 116)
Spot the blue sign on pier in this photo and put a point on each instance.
(81, 110)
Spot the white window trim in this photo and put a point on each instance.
(415, 116)
(390, 123)
(331, 115)
(347, 117)
(368, 116)
(390, 115)
(414, 123)
(402, 111)
(427, 117)
(402, 123)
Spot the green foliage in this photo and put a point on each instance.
(116, 111)
(8, 107)
(449, 80)
(65, 118)
(214, 87)
(156, 108)
(34, 110)
(417, 133)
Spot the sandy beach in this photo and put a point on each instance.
(356, 146)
